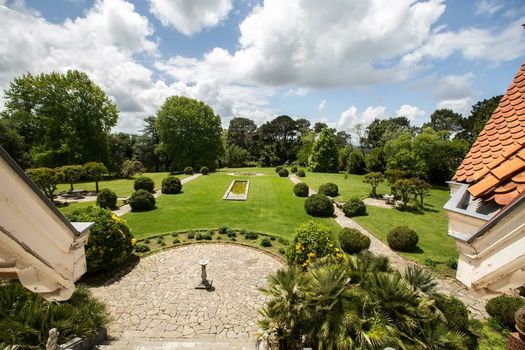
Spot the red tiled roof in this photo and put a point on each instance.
(495, 164)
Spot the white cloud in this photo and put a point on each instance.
(322, 105)
(351, 117)
(297, 92)
(413, 113)
(488, 7)
(461, 105)
(190, 17)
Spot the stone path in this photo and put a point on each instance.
(126, 208)
(449, 286)
(158, 299)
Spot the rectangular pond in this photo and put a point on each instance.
(238, 190)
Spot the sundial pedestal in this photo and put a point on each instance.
(205, 282)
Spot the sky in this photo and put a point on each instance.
(341, 62)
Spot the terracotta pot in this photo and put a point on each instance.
(519, 317)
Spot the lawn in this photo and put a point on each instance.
(77, 205)
(122, 187)
(271, 207)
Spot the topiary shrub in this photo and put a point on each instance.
(354, 207)
(329, 189)
(223, 230)
(294, 169)
(319, 205)
(312, 241)
(278, 168)
(205, 170)
(191, 235)
(141, 200)
(301, 189)
(110, 243)
(251, 235)
(503, 308)
(266, 242)
(403, 239)
(300, 173)
(106, 199)
(283, 172)
(144, 183)
(188, 170)
(352, 241)
(455, 312)
(171, 185)
(142, 248)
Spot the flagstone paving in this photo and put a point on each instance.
(158, 299)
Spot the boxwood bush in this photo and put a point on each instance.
(502, 308)
(171, 185)
(144, 183)
(352, 241)
(110, 243)
(301, 189)
(205, 170)
(283, 172)
(354, 207)
(300, 173)
(403, 239)
(266, 242)
(278, 168)
(294, 169)
(319, 205)
(329, 189)
(106, 199)
(141, 200)
(188, 170)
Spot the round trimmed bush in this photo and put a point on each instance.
(352, 241)
(294, 169)
(141, 200)
(455, 312)
(278, 168)
(106, 199)
(188, 170)
(319, 205)
(312, 241)
(329, 189)
(503, 308)
(171, 185)
(283, 172)
(300, 173)
(266, 242)
(144, 183)
(110, 243)
(251, 235)
(301, 189)
(403, 239)
(354, 207)
(205, 170)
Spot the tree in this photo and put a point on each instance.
(63, 118)
(420, 189)
(480, 114)
(131, 167)
(13, 143)
(282, 134)
(120, 149)
(324, 156)
(303, 125)
(72, 173)
(306, 143)
(445, 119)
(343, 139)
(144, 148)
(190, 133)
(403, 189)
(373, 179)
(95, 171)
(356, 162)
(241, 132)
(318, 127)
(375, 160)
(46, 179)
(236, 156)
(381, 131)
(344, 154)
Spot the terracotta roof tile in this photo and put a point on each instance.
(508, 168)
(505, 198)
(520, 178)
(486, 184)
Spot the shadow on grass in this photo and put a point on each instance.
(112, 275)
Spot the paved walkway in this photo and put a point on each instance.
(158, 299)
(126, 208)
(449, 286)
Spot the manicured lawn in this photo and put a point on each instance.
(431, 226)
(350, 187)
(77, 205)
(122, 187)
(271, 207)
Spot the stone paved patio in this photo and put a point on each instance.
(157, 298)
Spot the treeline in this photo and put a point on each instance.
(52, 120)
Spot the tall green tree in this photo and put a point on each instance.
(190, 133)
(146, 144)
(445, 119)
(480, 114)
(95, 171)
(63, 118)
(381, 131)
(120, 149)
(46, 179)
(14, 145)
(325, 155)
(282, 134)
(241, 132)
(72, 173)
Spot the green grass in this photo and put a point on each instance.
(271, 207)
(77, 205)
(122, 187)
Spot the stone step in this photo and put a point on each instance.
(175, 344)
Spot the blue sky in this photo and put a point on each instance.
(343, 62)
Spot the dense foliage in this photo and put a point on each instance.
(312, 241)
(131, 167)
(110, 242)
(283, 172)
(46, 179)
(171, 185)
(95, 171)
(301, 189)
(352, 241)
(329, 189)
(106, 199)
(301, 173)
(324, 156)
(26, 317)
(188, 170)
(354, 207)
(319, 205)
(502, 308)
(72, 173)
(403, 239)
(205, 170)
(144, 183)
(373, 179)
(142, 200)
